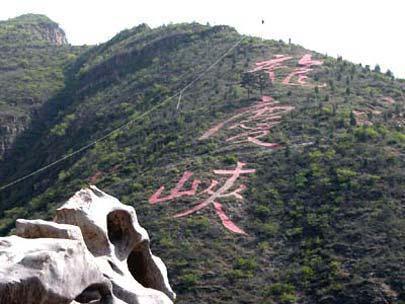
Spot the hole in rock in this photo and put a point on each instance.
(90, 295)
(119, 228)
(98, 293)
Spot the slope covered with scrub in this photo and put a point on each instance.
(315, 212)
(33, 56)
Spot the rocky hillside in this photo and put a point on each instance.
(276, 178)
(33, 56)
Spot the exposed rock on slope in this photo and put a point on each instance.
(97, 251)
(33, 27)
(33, 54)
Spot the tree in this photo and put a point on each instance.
(248, 82)
(353, 121)
(262, 82)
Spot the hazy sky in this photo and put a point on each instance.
(366, 31)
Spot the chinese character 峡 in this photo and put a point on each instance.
(215, 192)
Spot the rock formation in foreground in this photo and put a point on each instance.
(95, 251)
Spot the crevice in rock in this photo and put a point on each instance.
(115, 268)
(96, 293)
(142, 268)
(119, 226)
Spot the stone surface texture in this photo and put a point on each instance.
(95, 251)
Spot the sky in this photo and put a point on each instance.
(363, 31)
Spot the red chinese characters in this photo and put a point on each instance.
(248, 126)
(176, 192)
(300, 73)
(215, 192)
(253, 124)
(298, 76)
(270, 66)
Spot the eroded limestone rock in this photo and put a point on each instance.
(94, 252)
(51, 271)
(33, 229)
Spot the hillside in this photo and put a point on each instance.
(276, 178)
(33, 56)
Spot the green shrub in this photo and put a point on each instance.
(189, 280)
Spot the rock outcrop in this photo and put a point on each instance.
(95, 251)
(35, 28)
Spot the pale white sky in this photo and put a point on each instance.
(366, 31)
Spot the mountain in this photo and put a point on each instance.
(277, 177)
(31, 29)
(33, 55)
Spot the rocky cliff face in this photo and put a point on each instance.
(33, 52)
(53, 33)
(10, 127)
(94, 252)
(34, 28)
